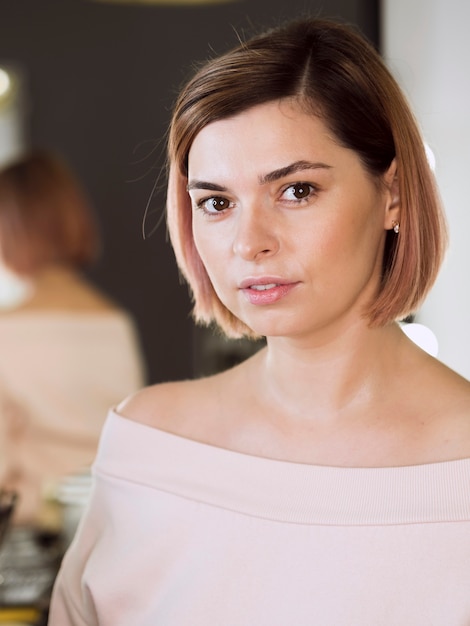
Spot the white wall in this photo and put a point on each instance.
(427, 47)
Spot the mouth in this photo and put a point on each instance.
(262, 283)
(264, 287)
(266, 290)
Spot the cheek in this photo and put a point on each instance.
(350, 236)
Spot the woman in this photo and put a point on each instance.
(67, 351)
(325, 480)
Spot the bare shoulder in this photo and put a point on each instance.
(445, 397)
(204, 409)
(190, 408)
(452, 389)
(157, 404)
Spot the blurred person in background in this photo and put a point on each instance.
(67, 353)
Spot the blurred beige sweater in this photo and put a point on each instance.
(60, 371)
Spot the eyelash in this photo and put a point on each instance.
(200, 204)
(312, 192)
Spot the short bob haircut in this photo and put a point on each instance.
(45, 217)
(334, 73)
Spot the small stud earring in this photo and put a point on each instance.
(396, 227)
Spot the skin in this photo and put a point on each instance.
(328, 243)
(58, 287)
(277, 201)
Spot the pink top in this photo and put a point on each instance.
(181, 533)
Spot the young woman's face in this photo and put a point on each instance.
(289, 225)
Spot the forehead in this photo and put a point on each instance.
(263, 138)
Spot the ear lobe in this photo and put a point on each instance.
(392, 206)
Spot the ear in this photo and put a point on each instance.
(392, 197)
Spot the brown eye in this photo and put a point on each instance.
(298, 191)
(301, 190)
(214, 204)
(218, 204)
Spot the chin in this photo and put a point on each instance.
(272, 328)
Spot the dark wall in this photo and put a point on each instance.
(101, 79)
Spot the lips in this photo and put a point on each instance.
(262, 282)
(266, 290)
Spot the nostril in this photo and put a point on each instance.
(252, 251)
(251, 244)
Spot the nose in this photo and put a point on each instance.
(255, 234)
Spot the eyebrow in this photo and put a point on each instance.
(292, 168)
(297, 166)
(200, 184)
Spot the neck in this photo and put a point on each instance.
(338, 378)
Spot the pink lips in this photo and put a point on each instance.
(266, 290)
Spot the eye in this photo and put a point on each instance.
(298, 191)
(214, 204)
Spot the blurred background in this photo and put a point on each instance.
(426, 45)
(95, 82)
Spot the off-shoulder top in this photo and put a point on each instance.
(181, 533)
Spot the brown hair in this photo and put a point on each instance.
(336, 74)
(44, 215)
